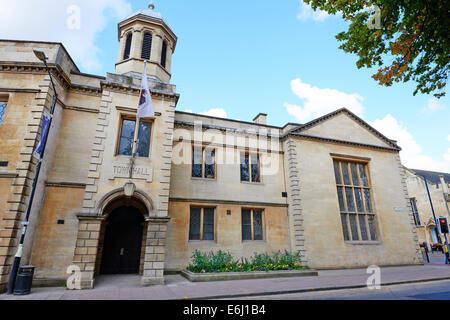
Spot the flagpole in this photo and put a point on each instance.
(136, 136)
(18, 256)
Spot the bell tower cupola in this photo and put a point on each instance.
(145, 36)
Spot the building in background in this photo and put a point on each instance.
(438, 186)
(333, 189)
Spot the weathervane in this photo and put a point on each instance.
(151, 6)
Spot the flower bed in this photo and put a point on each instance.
(223, 262)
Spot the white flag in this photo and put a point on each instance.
(145, 108)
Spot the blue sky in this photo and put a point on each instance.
(246, 57)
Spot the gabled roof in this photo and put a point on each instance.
(432, 176)
(330, 115)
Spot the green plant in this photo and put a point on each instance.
(223, 262)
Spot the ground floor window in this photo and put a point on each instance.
(252, 224)
(201, 225)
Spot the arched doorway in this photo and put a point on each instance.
(122, 244)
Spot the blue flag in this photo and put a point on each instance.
(44, 131)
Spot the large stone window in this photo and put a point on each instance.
(203, 162)
(252, 224)
(355, 201)
(2, 110)
(201, 225)
(126, 137)
(250, 168)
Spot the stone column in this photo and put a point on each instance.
(121, 48)
(156, 48)
(169, 58)
(136, 44)
(155, 252)
(86, 249)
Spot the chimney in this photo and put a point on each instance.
(261, 118)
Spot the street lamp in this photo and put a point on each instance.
(12, 280)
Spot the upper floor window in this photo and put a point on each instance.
(164, 54)
(146, 46)
(203, 163)
(201, 224)
(415, 212)
(2, 110)
(355, 204)
(252, 224)
(126, 137)
(250, 168)
(127, 51)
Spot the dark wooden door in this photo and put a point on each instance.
(123, 242)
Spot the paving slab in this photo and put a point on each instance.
(128, 287)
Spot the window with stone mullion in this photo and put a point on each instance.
(357, 218)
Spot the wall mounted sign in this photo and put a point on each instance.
(122, 170)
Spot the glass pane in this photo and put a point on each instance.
(341, 199)
(367, 200)
(354, 227)
(337, 173)
(210, 159)
(246, 225)
(245, 175)
(359, 200)
(255, 169)
(362, 227)
(2, 111)
(194, 224)
(197, 160)
(208, 224)
(354, 174)
(345, 173)
(362, 173)
(128, 128)
(125, 147)
(372, 228)
(345, 226)
(257, 225)
(350, 201)
(145, 131)
(127, 137)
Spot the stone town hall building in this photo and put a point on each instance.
(332, 189)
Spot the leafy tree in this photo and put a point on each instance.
(413, 36)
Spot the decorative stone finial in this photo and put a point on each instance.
(151, 6)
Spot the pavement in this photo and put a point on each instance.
(127, 287)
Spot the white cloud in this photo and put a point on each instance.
(218, 112)
(319, 102)
(306, 13)
(412, 154)
(448, 137)
(47, 20)
(434, 105)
